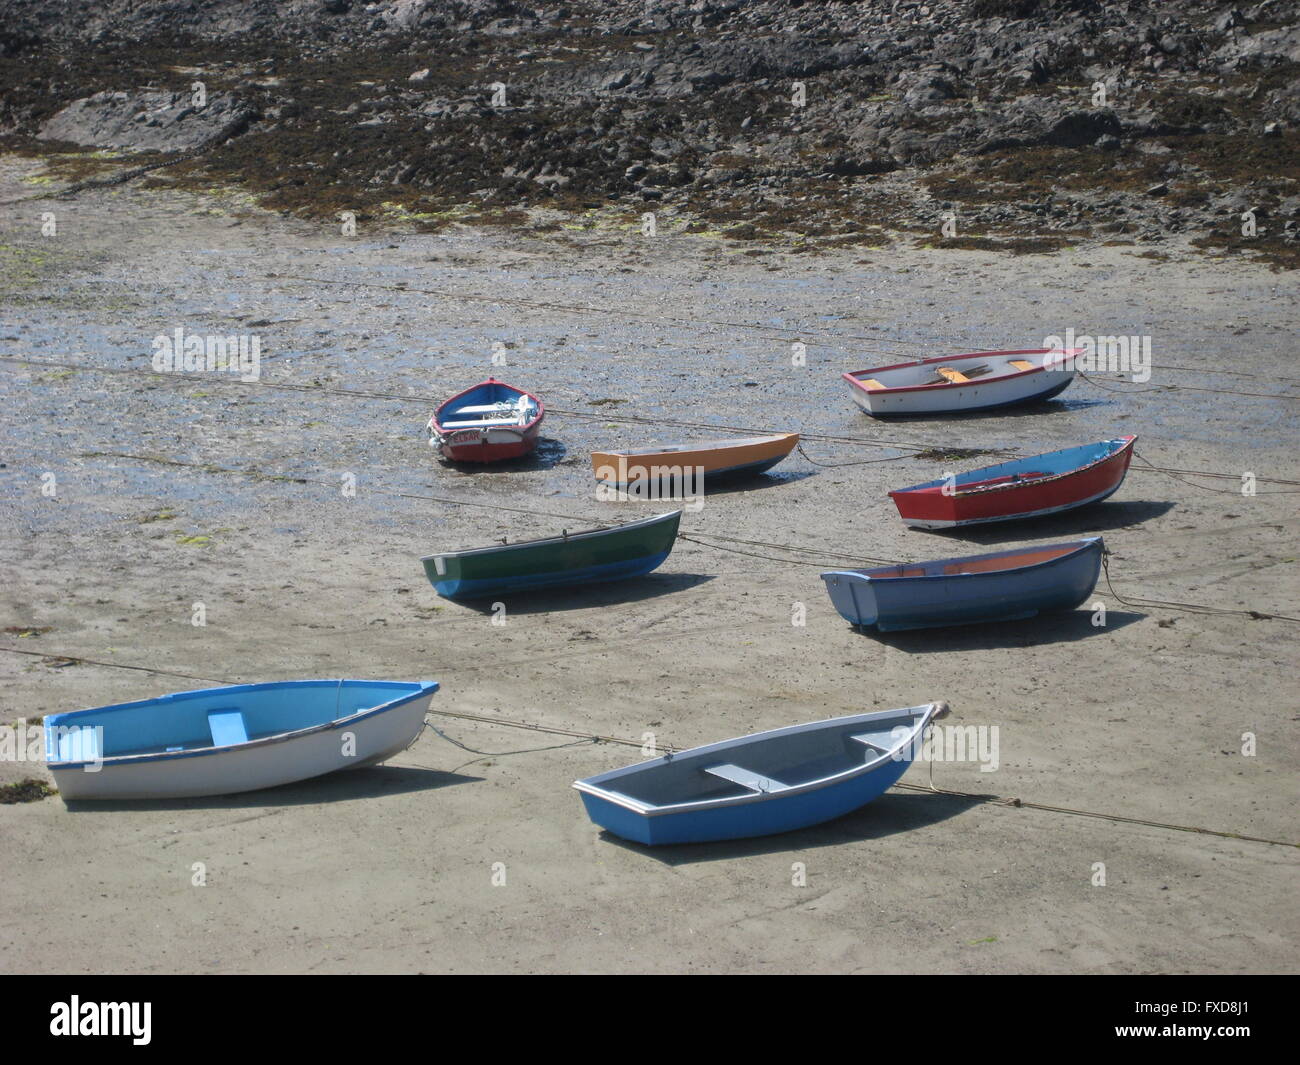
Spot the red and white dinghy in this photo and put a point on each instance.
(960, 384)
(1022, 488)
(490, 422)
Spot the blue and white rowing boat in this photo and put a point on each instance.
(1003, 586)
(218, 741)
(756, 785)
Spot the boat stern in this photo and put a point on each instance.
(852, 595)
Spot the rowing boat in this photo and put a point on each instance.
(1022, 488)
(490, 422)
(961, 384)
(608, 554)
(756, 785)
(218, 741)
(1003, 586)
(706, 463)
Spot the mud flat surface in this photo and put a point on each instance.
(176, 490)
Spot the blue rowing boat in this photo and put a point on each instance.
(761, 784)
(241, 737)
(1003, 586)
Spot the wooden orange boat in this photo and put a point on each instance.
(684, 462)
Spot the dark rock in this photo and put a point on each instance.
(643, 98)
(1228, 20)
(859, 166)
(1082, 127)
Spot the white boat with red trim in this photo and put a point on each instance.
(962, 384)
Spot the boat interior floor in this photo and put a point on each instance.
(975, 565)
(767, 768)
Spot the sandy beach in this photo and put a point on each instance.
(470, 852)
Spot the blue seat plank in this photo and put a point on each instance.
(79, 745)
(227, 727)
(746, 779)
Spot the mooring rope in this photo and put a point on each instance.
(1176, 475)
(1179, 388)
(839, 465)
(585, 741)
(1191, 608)
(994, 800)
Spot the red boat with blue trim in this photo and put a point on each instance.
(1023, 488)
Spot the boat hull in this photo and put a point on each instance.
(979, 501)
(900, 603)
(348, 743)
(714, 462)
(625, 551)
(742, 822)
(487, 445)
(818, 772)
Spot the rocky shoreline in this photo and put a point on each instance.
(1024, 125)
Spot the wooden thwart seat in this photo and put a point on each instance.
(870, 382)
(746, 779)
(949, 374)
(1021, 364)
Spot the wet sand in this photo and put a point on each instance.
(173, 491)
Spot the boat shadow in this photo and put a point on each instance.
(729, 484)
(1030, 409)
(754, 482)
(548, 453)
(368, 783)
(888, 815)
(1085, 521)
(1066, 627)
(587, 596)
